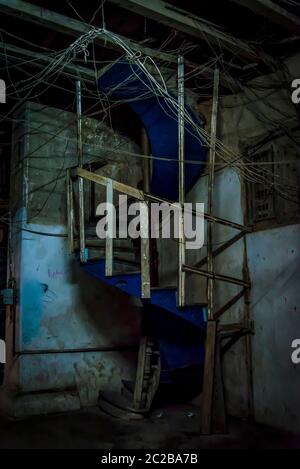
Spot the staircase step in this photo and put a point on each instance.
(116, 260)
(166, 298)
(133, 272)
(163, 298)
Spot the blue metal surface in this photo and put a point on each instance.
(179, 331)
(127, 82)
(180, 342)
(164, 299)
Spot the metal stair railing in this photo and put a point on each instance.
(78, 174)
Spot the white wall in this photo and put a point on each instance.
(274, 263)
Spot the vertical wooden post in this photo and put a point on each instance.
(80, 179)
(138, 396)
(146, 161)
(211, 338)
(208, 378)
(181, 182)
(70, 211)
(145, 250)
(110, 229)
(218, 401)
(211, 178)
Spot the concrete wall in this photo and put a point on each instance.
(72, 335)
(274, 262)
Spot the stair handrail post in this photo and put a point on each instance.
(70, 210)
(80, 179)
(145, 250)
(211, 178)
(110, 229)
(181, 181)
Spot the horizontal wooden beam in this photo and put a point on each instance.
(273, 12)
(189, 24)
(72, 27)
(103, 181)
(221, 248)
(230, 303)
(212, 275)
(41, 59)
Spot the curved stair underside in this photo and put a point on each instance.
(127, 82)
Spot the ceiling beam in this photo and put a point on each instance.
(273, 12)
(39, 60)
(72, 27)
(184, 21)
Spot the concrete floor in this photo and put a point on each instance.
(171, 428)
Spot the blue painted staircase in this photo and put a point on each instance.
(179, 332)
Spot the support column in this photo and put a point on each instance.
(181, 183)
(80, 179)
(211, 337)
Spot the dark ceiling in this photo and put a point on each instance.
(227, 15)
(230, 17)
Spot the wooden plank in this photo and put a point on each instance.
(181, 182)
(208, 378)
(70, 212)
(145, 251)
(118, 186)
(219, 408)
(212, 275)
(81, 219)
(80, 180)
(230, 303)
(145, 146)
(211, 178)
(138, 396)
(220, 249)
(110, 230)
(182, 21)
(208, 217)
(273, 13)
